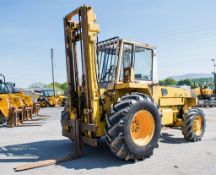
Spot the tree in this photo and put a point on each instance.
(167, 82)
(64, 86)
(194, 83)
(161, 83)
(187, 82)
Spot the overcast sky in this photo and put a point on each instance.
(183, 31)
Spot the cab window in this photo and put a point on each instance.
(143, 63)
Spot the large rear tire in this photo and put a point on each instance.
(194, 125)
(133, 128)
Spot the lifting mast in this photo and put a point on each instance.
(84, 31)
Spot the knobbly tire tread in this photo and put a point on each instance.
(187, 126)
(43, 100)
(116, 133)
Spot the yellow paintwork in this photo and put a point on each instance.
(168, 103)
(174, 93)
(4, 105)
(53, 101)
(142, 127)
(207, 92)
(167, 118)
(90, 67)
(10, 100)
(61, 99)
(94, 29)
(16, 101)
(196, 91)
(202, 92)
(131, 85)
(26, 99)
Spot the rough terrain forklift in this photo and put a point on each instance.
(11, 106)
(114, 92)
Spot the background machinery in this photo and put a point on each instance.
(31, 108)
(204, 94)
(48, 98)
(11, 106)
(15, 106)
(114, 92)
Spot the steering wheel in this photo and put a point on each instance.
(108, 73)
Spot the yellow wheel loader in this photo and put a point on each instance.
(11, 106)
(114, 92)
(30, 108)
(61, 100)
(47, 98)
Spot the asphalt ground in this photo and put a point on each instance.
(41, 139)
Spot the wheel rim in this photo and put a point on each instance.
(43, 103)
(197, 125)
(142, 127)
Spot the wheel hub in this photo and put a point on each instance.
(197, 125)
(142, 127)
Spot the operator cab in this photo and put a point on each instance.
(48, 93)
(12, 88)
(123, 61)
(45, 92)
(7, 87)
(4, 89)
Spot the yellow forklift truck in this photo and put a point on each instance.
(11, 106)
(118, 95)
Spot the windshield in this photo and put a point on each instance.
(4, 88)
(48, 93)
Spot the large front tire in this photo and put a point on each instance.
(133, 128)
